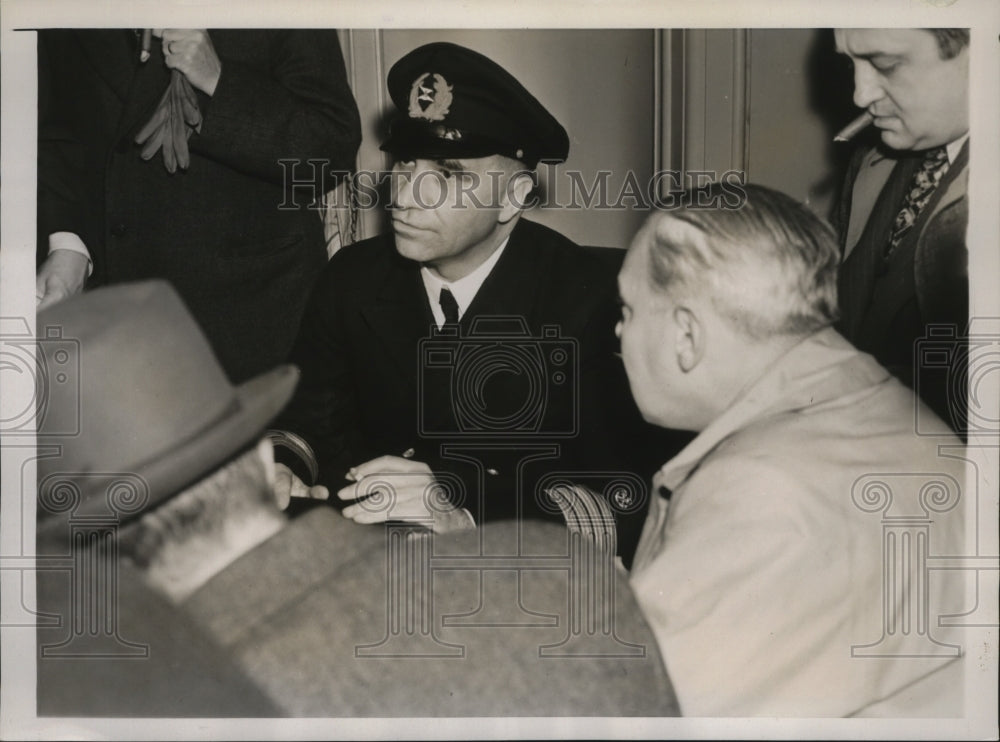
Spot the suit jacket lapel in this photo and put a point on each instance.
(860, 269)
(511, 289)
(399, 316)
(110, 52)
(944, 195)
(148, 84)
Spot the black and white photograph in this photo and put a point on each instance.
(623, 370)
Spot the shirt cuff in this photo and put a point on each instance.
(73, 243)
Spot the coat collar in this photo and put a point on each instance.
(821, 368)
(876, 169)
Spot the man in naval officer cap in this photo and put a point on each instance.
(469, 352)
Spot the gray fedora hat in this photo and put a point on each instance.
(133, 404)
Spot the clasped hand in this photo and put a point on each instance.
(383, 489)
(396, 488)
(191, 52)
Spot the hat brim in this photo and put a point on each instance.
(255, 404)
(434, 148)
(409, 138)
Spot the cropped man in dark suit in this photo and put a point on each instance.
(904, 209)
(470, 353)
(240, 244)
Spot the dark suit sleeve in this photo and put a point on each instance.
(303, 109)
(61, 193)
(323, 411)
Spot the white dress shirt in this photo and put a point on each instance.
(464, 289)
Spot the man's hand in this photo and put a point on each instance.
(191, 52)
(61, 276)
(401, 489)
(287, 486)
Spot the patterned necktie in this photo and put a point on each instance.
(922, 186)
(449, 306)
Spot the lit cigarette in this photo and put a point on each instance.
(147, 41)
(854, 128)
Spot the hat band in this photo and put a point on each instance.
(413, 138)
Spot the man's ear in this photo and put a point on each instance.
(515, 196)
(690, 339)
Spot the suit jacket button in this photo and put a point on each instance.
(119, 229)
(492, 472)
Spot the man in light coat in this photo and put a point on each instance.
(786, 575)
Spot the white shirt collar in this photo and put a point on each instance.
(464, 289)
(952, 149)
(955, 147)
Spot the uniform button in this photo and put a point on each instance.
(492, 472)
(119, 229)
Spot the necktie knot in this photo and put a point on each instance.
(448, 306)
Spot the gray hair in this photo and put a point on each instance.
(950, 41)
(238, 488)
(767, 263)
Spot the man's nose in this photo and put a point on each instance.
(402, 190)
(867, 89)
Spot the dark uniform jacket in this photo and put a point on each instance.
(239, 247)
(527, 391)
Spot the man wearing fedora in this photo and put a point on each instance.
(426, 352)
(180, 588)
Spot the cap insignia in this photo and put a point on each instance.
(430, 101)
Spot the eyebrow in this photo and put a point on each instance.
(451, 164)
(874, 55)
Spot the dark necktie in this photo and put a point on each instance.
(922, 186)
(449, 306)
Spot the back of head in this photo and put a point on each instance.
(188, 538)
(767, 263)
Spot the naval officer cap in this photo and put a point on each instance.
(453, 102)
